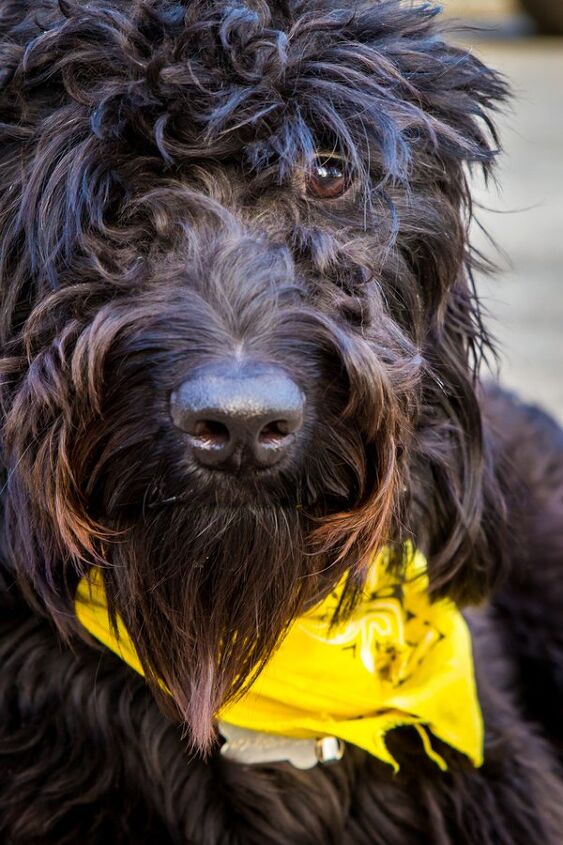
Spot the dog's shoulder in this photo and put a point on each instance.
(527, 441)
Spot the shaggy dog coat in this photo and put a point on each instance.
(281, 184)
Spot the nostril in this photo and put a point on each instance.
(274, 432)
(239, 416)
(211, 434)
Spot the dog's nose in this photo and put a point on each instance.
(238, 414)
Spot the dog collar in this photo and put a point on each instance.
(397, 660)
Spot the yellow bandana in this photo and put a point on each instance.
(397, 660)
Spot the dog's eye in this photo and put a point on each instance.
(328, 178)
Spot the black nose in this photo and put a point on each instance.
(238, 414)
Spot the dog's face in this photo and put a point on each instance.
(238, 330)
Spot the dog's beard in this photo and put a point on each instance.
(207, 590)
(206, 594)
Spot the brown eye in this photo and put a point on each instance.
(328, 178)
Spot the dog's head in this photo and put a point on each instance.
(239, 333)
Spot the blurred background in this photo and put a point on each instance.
(524, 40)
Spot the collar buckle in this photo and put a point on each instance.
(256, 748)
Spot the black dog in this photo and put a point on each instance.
(240, 345)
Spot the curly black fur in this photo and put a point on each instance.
(154, 217)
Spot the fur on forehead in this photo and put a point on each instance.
(266, 82)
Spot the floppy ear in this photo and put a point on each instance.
(427, 108)
(458, 505)
(464, 518)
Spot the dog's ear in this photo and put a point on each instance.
(459, 503)
(414, 113)
(458, 489)
(421, 111)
